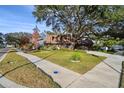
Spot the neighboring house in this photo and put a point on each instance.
(9, 46)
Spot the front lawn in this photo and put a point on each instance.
(62, 58)
(21, 71)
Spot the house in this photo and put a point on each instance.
(66, 41)
(54, 39)
(51, 39)
(9, 46)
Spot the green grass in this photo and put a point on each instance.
(20, 70)
(62, 58)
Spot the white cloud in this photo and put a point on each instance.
(29, 7)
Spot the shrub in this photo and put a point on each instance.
(110, 42)
(96, 47)
(76, 56)
(121, 42)
(42, 47)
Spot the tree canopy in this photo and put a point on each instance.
(16, 38)
(116, 30)
(36, 37)
(79, 21)
(1, 39)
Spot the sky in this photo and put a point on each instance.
(19, 19)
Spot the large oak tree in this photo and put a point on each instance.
(78, 21)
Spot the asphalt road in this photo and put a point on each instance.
(2, 52)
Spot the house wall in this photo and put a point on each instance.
(51, 39)
(55, 39)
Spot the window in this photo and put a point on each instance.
(53, 38)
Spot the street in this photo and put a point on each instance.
(3, 51)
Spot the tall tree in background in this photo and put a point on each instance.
(15, 38)
(36, 38)
(24, 41)
(1, 40)
(78, 21)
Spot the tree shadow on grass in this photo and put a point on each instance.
(25, 65)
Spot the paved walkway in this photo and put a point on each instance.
(115, 61)
(105, 74)
(4, 82)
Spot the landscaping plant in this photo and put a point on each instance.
(76, 56)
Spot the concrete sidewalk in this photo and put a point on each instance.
(106, 74)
